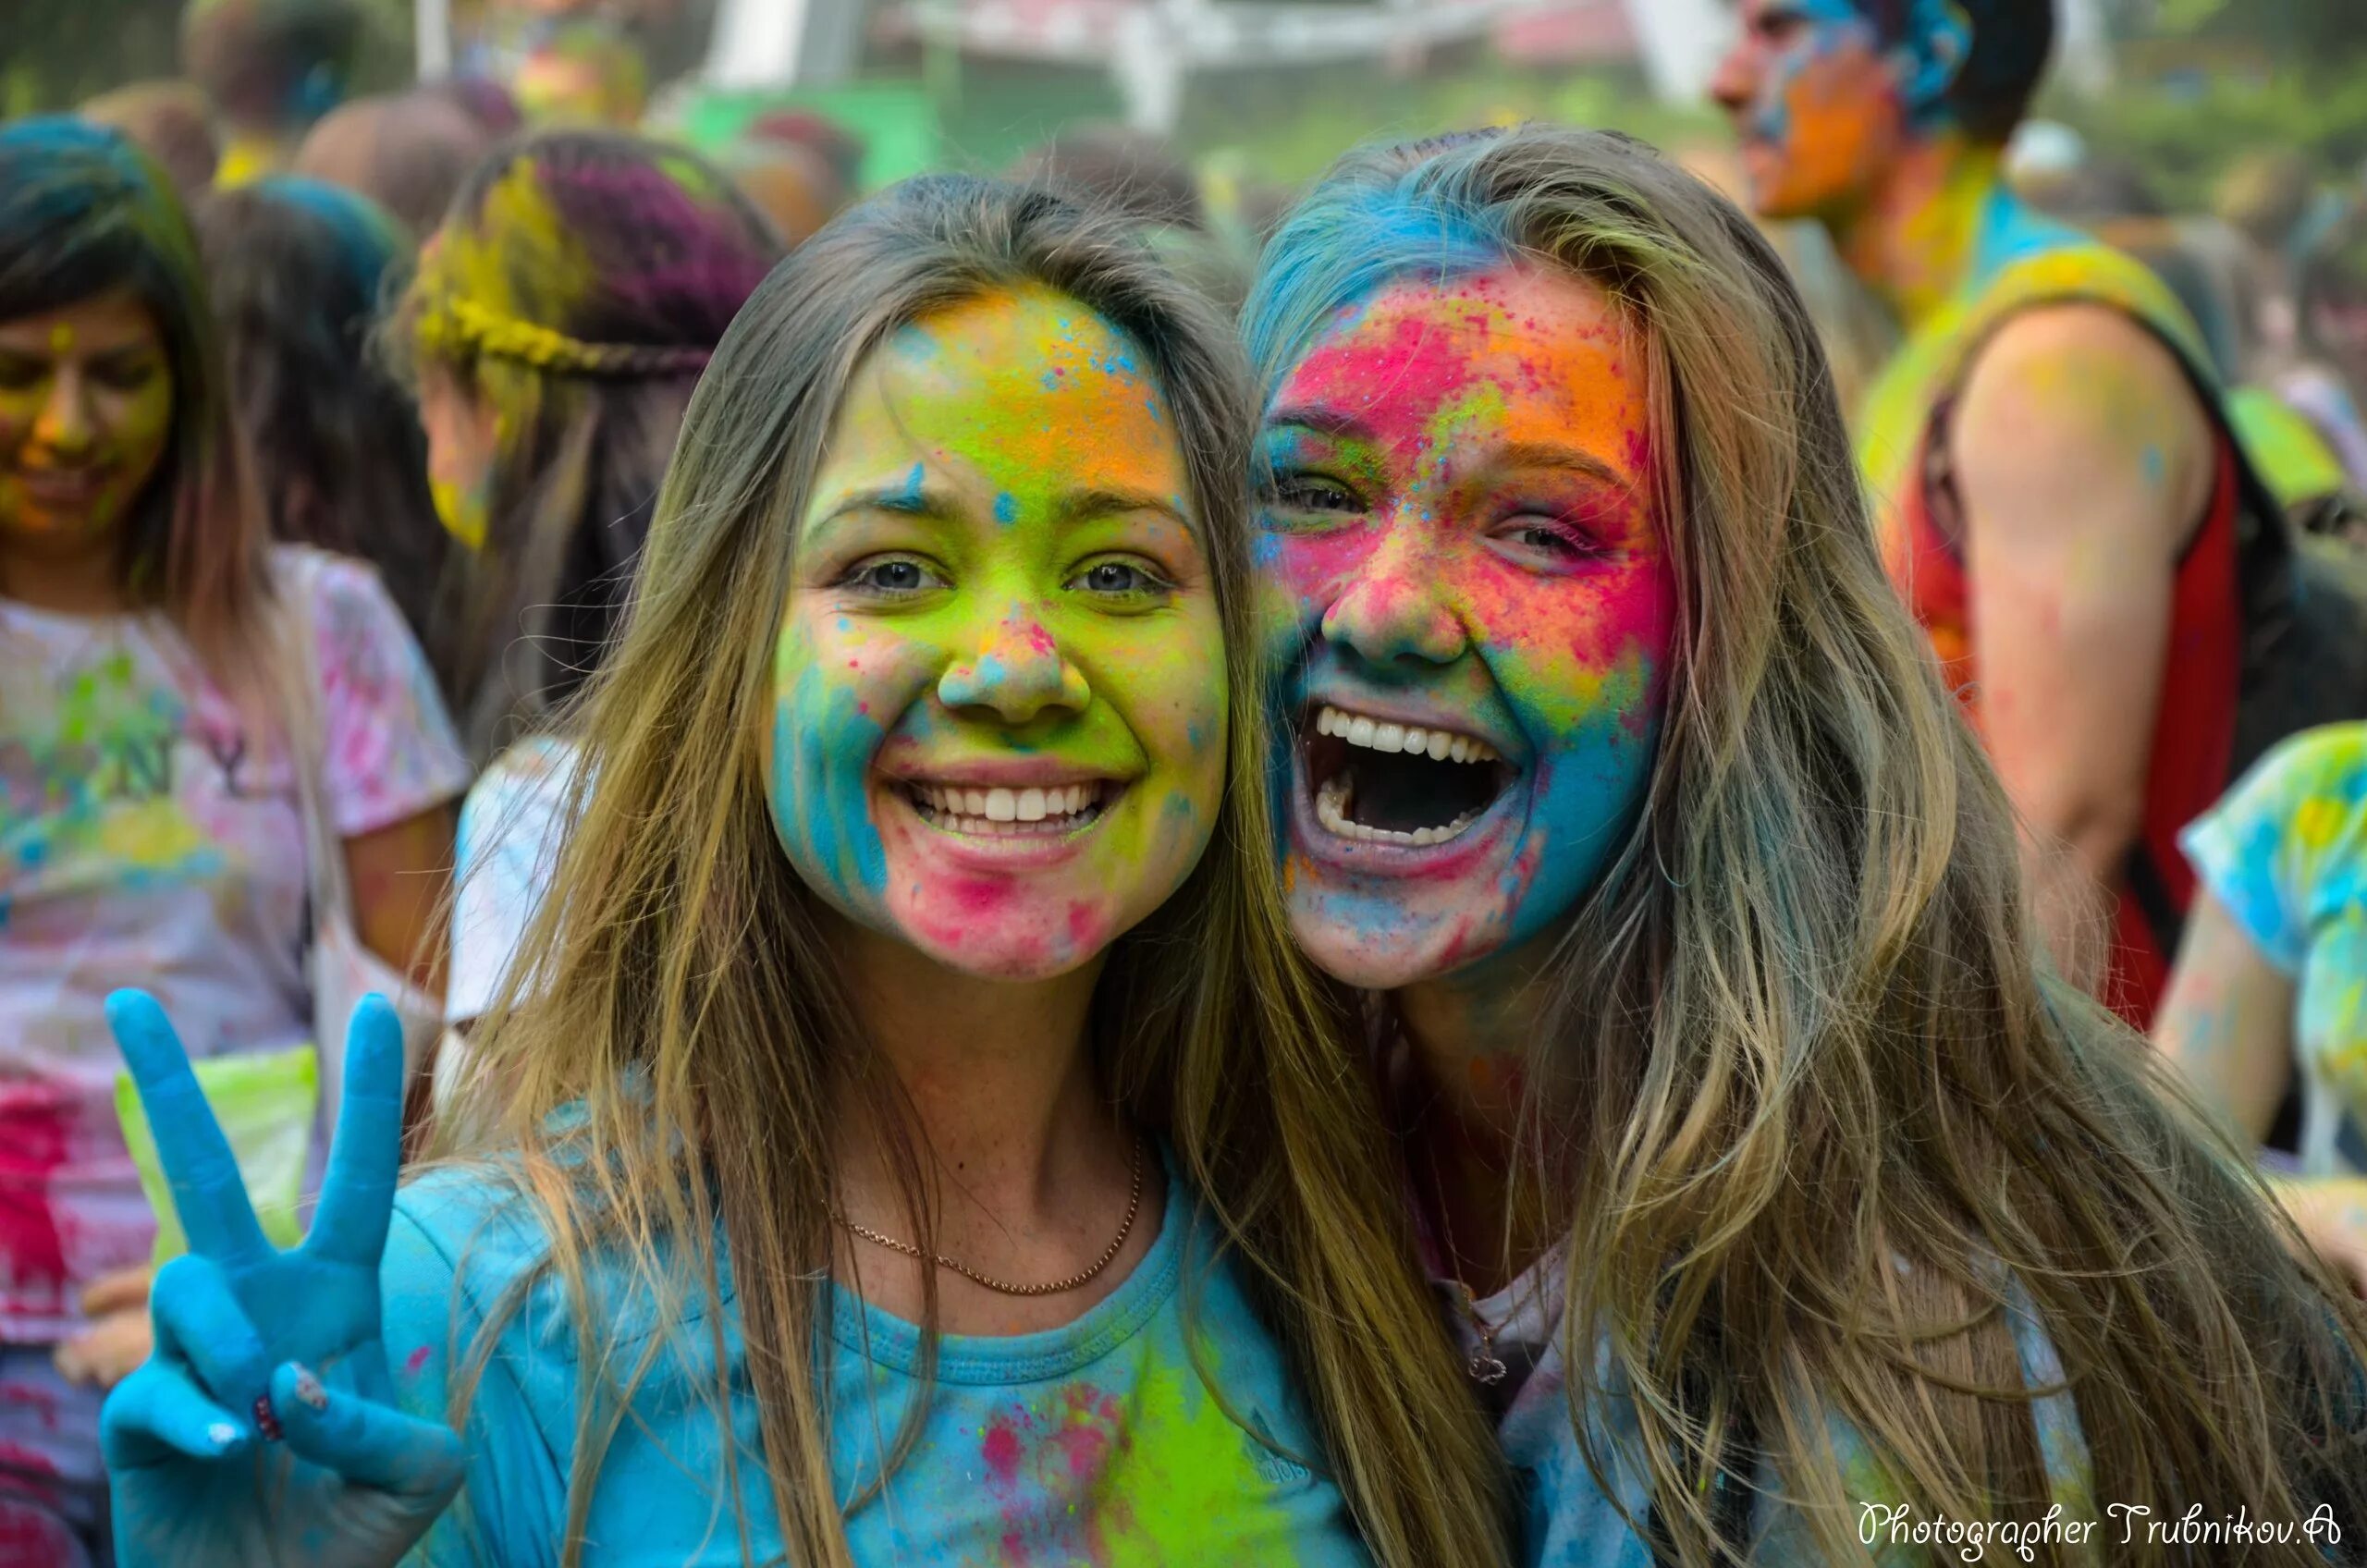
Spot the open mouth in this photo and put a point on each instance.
(999, 813)
(1384, 781)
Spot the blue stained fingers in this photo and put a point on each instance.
(201, 1326)
(363, 1444)
(365, 1159)
(157, 1415)
(208, 1193)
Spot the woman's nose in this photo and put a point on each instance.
(1017, 673)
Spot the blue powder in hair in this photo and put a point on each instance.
(1353, 238)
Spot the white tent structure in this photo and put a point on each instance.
(1154, 47)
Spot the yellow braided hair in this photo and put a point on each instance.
(460, 327)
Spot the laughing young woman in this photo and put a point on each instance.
(1782, 1200)
(919, 1144)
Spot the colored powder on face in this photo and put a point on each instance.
(464, 513)
(986, 490)
(1440, 566)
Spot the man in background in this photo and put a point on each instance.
(2054, 486)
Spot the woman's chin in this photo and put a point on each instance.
(1403, 947)
(1008, 948)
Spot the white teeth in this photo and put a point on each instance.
(1331, 812)
(1002, 812)
(1381, 735)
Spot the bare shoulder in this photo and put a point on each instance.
(2078, 411)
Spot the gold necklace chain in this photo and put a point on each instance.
(1125, 1229)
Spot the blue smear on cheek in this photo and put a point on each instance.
(1590, 783)
(1006, 509)
(823, 744)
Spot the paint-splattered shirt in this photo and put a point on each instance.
(2286, 853)
(1103, 1442)
(150, 836)
(1572, 1520)
(510, 828)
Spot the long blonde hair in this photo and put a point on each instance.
(1810, 1105)
(685, 1001)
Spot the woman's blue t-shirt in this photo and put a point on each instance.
(1106, 1442)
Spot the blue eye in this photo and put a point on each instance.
(891, 577)
(1120, 579)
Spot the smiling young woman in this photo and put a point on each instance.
(916, 1140)
(1766, 1173)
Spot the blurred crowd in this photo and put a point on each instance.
(389, 385)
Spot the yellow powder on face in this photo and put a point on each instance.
(61, 340)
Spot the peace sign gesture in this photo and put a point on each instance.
(264, 1428)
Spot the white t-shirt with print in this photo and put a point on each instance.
(150, 835)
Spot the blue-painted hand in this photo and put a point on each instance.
(200, 1480)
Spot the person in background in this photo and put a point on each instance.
(170, 121)
(793, 186)
(1144, 179)
(149, 638)
(2329, 383)
(799, 168)
(272, 68)
(555, 327)
(300, 272)
(1776, 1189)
(407, 152)
(2223, 282)
(2058, 491)
(485, 101)
(2270, 993)
(841, 149)
(583, 73)
(2272, 196)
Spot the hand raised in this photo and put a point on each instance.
(253, 1343)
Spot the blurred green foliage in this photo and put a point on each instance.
(2184, 135)
(1284, 127)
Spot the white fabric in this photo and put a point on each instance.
(511, 829)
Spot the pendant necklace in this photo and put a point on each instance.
(1485, 1366)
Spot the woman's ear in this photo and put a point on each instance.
(1930, 57)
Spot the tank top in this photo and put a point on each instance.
(2024, 260)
